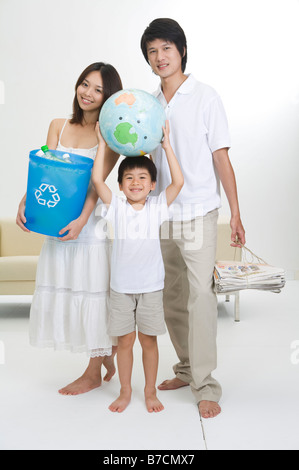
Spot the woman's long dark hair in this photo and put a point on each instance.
(111, 84)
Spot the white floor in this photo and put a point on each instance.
(258, 368)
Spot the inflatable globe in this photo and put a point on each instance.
(131, 122)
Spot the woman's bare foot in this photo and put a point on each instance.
(152, 402)
(121, 403)
(84, 384)
(92, 378)
(208, 409)
(172, 384)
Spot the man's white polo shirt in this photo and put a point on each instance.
(198, 127)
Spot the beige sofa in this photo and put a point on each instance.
(225, 252)
(19, 253)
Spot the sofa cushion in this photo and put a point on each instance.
(18, 268)
(14, 241)
(17, 287)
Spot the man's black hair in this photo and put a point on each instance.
(169, 30)
(129, 163)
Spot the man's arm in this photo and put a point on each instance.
(228, 180)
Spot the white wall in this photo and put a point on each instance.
(247, 50)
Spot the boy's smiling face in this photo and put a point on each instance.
(136, 185)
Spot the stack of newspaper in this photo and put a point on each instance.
(232, 276)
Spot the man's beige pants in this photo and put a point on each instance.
(190, 304)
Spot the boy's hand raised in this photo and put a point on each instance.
(100, 138)
(166, 131)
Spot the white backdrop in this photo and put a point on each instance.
(246, 50)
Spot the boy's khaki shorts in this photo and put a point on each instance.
(128, 310)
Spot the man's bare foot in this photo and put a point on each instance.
(208, 409)
(84, 384)
(152, 402)
(121, 403)
(172, 384)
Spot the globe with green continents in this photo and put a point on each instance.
(131, 122)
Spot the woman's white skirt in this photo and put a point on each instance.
(69, 306)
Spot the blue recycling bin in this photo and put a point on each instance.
(56, 191)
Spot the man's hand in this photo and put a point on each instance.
(238, 232)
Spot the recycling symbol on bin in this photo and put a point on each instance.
(42, 191)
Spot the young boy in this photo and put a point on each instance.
(137, 271)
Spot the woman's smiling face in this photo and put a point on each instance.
(90, 92)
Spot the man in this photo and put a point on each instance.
(199, 136)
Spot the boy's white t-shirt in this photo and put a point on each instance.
(136, 263)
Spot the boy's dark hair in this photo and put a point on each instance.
(169, 30)
(129, 163)
(111, 84)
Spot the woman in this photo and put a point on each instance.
(68, 309)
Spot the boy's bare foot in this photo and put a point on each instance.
(121, 403)
(84, 384)
(172, 384)
(152, 402)
(208, 409)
